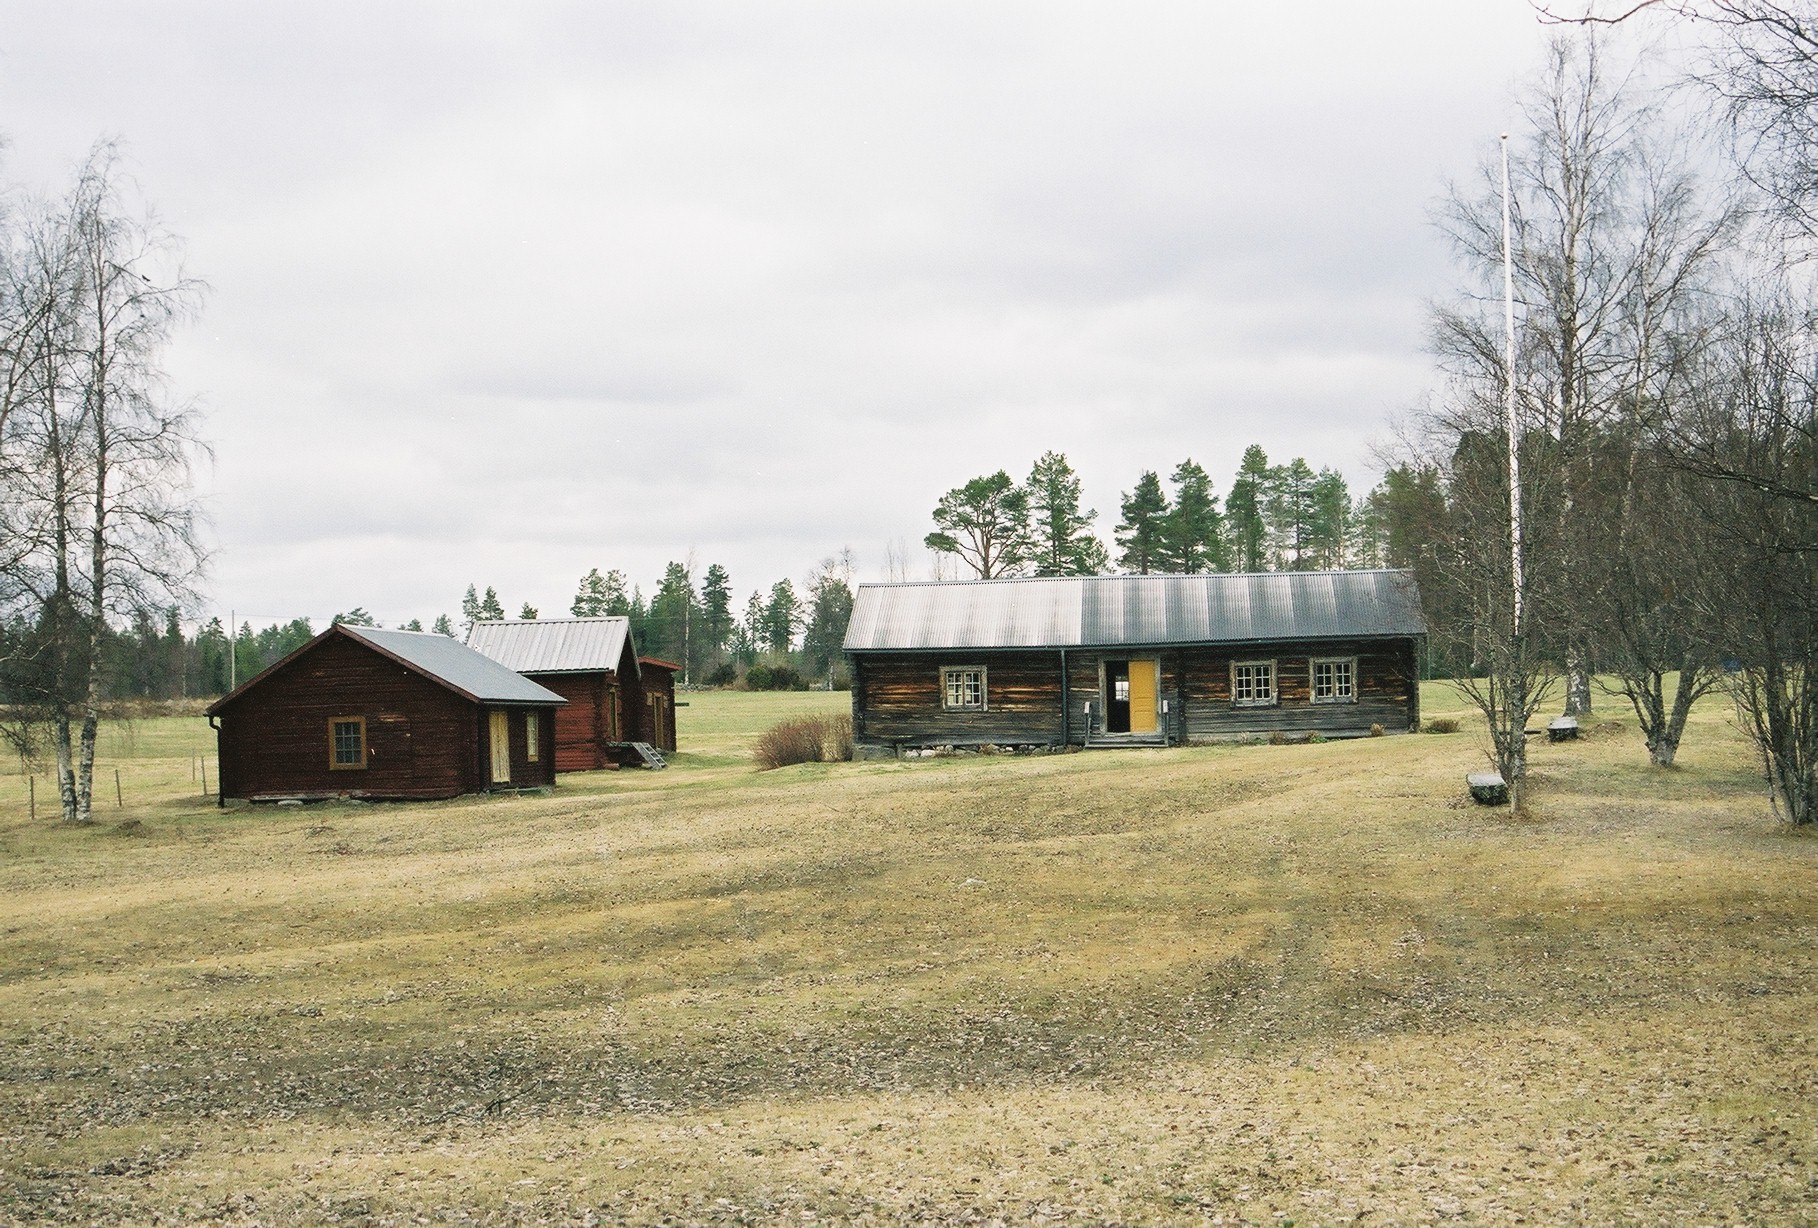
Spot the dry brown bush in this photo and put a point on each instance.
(836, 737)
(805, 739)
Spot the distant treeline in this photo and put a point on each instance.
(782, 639)
(1276, 517)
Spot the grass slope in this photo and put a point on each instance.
(1246, 983)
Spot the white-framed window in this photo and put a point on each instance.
(1334, 680)
(1252, 683)
(533, 742)
(963, 688)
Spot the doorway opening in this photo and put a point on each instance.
(1131, 691)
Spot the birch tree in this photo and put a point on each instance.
(100, 519)
(1612, 244)
(1751, 438)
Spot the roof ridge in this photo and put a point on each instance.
(1146, 575)
(531, 622)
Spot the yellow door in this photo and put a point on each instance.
(501, 747)
(1144, 683)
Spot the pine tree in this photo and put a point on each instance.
(442, 626)
(1060, 539)
(1290, 512)
(782, 617)
(633, 609)
(1329, 531)
(985, 523)
(490, 607)
(470, 607)
(1246, 521)
(671, 620)
(829, 610)
(1193, 532)
(716, 613)
(590, 597)
(618, 597)
(212, 647)
(528, 613)
(1145, 511)
(750, 635)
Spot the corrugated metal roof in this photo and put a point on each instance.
(1100, 611)
(553, 645)
(456, 665)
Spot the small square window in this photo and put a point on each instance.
(1335, 680)
(963, 688)
(1253, 683)
(346, 743)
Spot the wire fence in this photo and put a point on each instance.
(111, 782)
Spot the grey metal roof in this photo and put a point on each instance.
(1103, 611)
(553, 645)
(456, 666)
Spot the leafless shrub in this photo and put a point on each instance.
(805, 739)
(836, 738)
(1443, 724)
(1376, 731)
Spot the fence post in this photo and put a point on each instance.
(204, 775)
(34, 793)
(119, 799)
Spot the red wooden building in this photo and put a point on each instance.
(659, 701)
(614, 697)
(372, 713)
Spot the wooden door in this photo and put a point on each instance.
(501, 746)
(1144, 683)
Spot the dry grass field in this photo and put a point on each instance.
(1260, 984)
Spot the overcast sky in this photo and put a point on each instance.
(504, 292)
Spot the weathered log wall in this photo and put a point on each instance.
(593, 717)
(901, 698)
(896, 697)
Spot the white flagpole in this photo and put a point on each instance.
(1508, 395)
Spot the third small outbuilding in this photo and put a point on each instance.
(614, 699)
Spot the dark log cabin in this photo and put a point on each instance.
(371, 713)
(614, 697)
(1133, 660)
